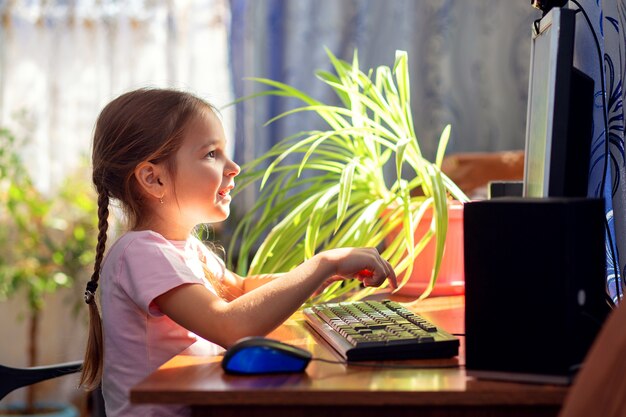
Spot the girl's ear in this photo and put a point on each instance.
(151, 179)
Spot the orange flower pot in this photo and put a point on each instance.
(451, 278)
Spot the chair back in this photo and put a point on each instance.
(14, 378)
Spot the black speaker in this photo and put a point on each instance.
(534, 286)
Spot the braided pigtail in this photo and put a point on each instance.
(92, 365)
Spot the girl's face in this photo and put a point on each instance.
(204, 173)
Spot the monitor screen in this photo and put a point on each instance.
(559, 117)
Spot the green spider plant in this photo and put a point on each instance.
(344, 201)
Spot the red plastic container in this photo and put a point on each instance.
(451, 278)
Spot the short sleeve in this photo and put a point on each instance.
(151, 266)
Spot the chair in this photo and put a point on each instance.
(14, 378)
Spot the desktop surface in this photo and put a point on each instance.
(331, 389)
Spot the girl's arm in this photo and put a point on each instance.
(255, 281)
(239, 285)
(261, 310)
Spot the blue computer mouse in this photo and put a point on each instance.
(261, 355)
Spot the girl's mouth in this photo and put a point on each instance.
(225, 191)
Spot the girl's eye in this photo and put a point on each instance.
(210, 155)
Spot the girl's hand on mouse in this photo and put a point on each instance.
(364, 264)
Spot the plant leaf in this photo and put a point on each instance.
(344, 191)
(317, 216)
(443, 144)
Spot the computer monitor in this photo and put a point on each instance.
(559, 122)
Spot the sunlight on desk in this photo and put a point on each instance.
(190, 360)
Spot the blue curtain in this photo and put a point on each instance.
(468, 60)
(607, 168)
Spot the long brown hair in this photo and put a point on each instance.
(141, 125)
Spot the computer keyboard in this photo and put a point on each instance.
(379, 330)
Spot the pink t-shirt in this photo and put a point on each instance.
(138, 338)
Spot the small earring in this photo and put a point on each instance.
(161, 200)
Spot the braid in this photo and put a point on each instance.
(103, 225)
(92, 365)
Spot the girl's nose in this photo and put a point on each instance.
(232, 169)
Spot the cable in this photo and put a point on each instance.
(458, 334)
(606, 142)
(389, 365)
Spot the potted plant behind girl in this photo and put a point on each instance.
(47, 244)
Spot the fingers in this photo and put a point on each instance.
(364, 264)
(391, 275)
(375, 277)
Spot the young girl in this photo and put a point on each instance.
(161, 155)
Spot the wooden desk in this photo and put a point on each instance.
(337, 390)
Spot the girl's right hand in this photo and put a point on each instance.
(364, 264)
